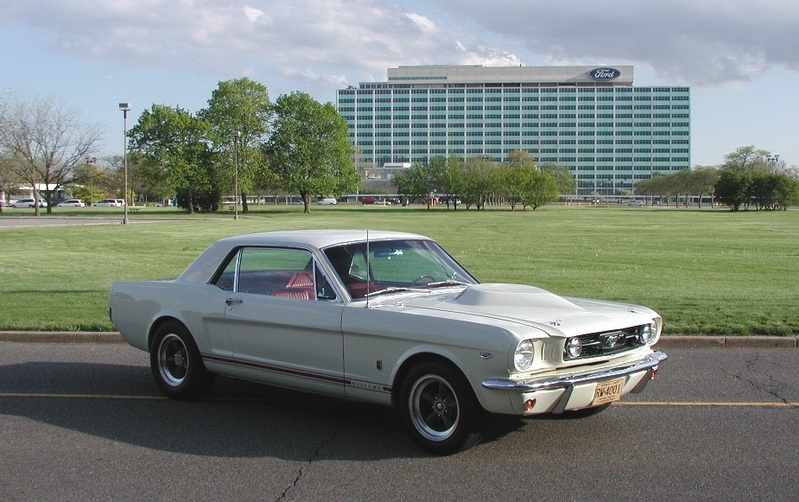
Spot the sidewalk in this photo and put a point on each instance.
(666, 341)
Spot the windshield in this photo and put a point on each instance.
(395, 266)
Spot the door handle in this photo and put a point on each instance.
(231, 301)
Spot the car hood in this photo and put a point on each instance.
(532, 306)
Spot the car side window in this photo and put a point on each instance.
(323, 289)
(226, 279)
(278, 272)
(358, 266)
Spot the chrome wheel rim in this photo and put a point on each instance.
(434, 408)
(173, 360)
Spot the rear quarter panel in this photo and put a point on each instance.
(136, 306)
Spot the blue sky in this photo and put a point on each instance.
(740, 57)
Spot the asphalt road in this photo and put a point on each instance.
(28, 221)
(85, 422)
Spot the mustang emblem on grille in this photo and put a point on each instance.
(609, 341)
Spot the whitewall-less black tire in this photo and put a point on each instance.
(176, 363)
(440, 409)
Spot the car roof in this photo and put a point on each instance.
(205, 264)
(317, 238)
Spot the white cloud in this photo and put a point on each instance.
(424, 23)
(700, 43)
(322, 40)
(256, 15)
(325, 41)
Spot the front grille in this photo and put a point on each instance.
(608, 342)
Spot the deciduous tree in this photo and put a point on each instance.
(43, 140)
(174, 149)
(308, 149)
(414, 183)
(240, 105)
(746, 159)
(477, 181)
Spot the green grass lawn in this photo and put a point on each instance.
(706, 271)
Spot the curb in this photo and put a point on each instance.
(731, 342)
(64, 337)
(666, 342)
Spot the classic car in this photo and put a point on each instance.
(388, 318)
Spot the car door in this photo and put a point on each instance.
(285, 326)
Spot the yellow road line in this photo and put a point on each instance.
(707, 403)
(78, 396)
(159, 398)
(744, 404)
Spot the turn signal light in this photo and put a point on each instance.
(528, 405)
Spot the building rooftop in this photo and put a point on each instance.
(478, 74)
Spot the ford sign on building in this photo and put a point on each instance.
(604, 73)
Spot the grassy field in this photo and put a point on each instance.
(706, 271)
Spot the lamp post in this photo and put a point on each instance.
(773, 160)
(90, 161)
(236, 135)
(125, 107)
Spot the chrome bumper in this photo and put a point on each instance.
(649, 364)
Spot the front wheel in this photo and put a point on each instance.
(440, 409)
(176, 363)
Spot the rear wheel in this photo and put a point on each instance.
(176, 363)
(440, 409)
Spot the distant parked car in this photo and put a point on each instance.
(109, 203)
(635, 203)
(71, 203)
(28, 203)
(328, 201)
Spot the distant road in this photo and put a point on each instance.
(44, 221)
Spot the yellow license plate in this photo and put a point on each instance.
(607, 392)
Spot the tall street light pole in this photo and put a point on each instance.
(236, 135)
(125, 107)
(773, 160)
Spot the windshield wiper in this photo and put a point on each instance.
(398, 289)
(450, 282)
(385, 291)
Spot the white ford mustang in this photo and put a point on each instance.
(388, 318)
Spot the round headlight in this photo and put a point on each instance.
(574, 347)
(648, 333)
(524, 356)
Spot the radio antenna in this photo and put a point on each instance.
(368, 270)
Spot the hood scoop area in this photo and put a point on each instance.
(514, 296)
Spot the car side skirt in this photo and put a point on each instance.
(296, 378)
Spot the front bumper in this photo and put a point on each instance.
(643, 368)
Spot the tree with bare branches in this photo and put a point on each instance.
(44, 140)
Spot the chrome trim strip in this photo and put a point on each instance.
(296, 372)
(649, 363)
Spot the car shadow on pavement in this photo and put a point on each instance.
(235, 419)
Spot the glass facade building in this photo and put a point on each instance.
(608, 132)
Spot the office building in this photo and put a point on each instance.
(592, 119)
